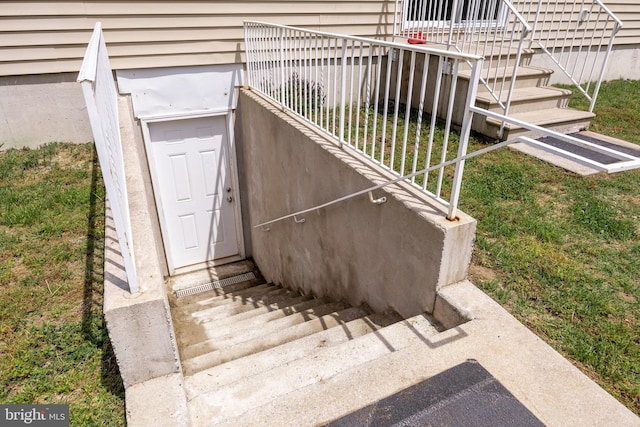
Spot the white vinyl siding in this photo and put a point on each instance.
(51, 36)
(39, 37)
(628, 11)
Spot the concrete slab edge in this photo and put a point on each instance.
(158, 402)
(547, 383)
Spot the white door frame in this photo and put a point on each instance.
(233, 177)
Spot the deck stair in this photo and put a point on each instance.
(533, 99)
(247, 345)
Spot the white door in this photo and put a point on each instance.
(193, 188)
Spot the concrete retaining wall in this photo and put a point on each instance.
(394, 255)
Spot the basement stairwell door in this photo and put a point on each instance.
(194, 189)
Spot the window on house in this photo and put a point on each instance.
(418, 13)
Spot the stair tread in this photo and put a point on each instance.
(255, 363)
(230, 339)
(228, 298)
(548, 116)
(489, 52)
(235, 324)
(523, 71)
(186, 300)
(264, 342)
(233, 400)
(342, 394)
(209, 314)
(524, 94)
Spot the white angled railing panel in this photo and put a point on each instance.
(577, 36)
(493, 29)
(101, 98)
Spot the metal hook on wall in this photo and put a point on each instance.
(266, 228)
(379, 201)
(298, 221)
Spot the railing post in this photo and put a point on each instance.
(454, 12)
(343, 89)
(534, 27)
(282, 69)
(605, 63)
(465, 132)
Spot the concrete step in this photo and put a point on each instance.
(490, 52)
(497, 57)
(256, 363)
(194, 333)
(563, 120)
(221, 274)
(217, 343)
(272, 296)
(527, 77)
(219, 292)
(212, 299)
(274, 339)
(527, 99)
(255, 395)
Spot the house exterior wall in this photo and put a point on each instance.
(47, 39)
(628, 11)
(40, 37)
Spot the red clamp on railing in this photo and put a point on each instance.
(417, 38)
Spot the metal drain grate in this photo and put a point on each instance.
(219, 284)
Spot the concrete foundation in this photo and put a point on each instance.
(394, 255)
(38, 109)
(624, 63)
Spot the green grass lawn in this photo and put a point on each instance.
(53, 339)
(561, 252)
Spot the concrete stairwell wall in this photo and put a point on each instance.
(394, 255)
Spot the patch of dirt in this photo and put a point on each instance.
(481, 273)
(627, 297)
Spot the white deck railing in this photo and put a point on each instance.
(101, 98)
(492, 29)
(577, 36)
(379, 99)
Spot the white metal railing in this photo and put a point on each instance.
(101, 98)
(492, 29)
(577, 36)
(378, 98)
